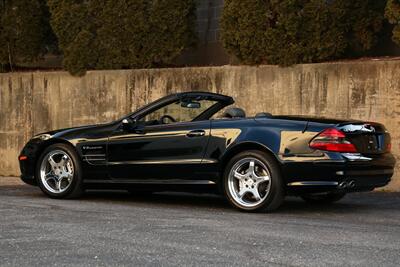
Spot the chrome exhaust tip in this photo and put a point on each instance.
(352, 184)
(342, 185)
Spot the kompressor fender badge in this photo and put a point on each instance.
(91, 147)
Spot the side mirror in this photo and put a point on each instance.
(128, 125)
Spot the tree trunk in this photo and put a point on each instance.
(9, 57)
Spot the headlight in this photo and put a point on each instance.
(42, 136)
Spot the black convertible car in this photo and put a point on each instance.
(184, 141)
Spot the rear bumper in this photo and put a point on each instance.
(340, 172)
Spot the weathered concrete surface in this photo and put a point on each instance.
(35, 102)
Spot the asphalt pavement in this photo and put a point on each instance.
(174, 229)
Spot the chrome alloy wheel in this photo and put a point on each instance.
(56, 171)
(249, 182)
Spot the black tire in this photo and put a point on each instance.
(276, 193)
(323, 198)
(75, 189)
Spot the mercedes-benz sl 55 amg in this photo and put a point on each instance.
(194, 140)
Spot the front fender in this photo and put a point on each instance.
(33, 150)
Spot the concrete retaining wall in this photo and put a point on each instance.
(35, 102)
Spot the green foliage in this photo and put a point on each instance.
(78, 55)
(303, 32)
(172, 24)
(73, 23)
(115, 34)
(22, 31)
(243, 27)
(361, 20)
(287, 32)
(393, 15)
(49, 41)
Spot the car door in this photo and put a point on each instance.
(160, 152)
(166, 142)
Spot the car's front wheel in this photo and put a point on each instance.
(58, 172)
(253, 182)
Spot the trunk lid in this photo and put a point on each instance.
(368, 137)
(314, 119)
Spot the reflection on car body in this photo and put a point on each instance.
(178, 143)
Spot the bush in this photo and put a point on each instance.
(299, 31)
(22, 31)
(117, 34)
(393, 15)
(49, 41)
(303, 32)
(73, 23)
(243, 27)
(362, 21)
(172, 24)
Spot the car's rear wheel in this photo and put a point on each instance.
(59, 172)
(253, 182)
(325, 198)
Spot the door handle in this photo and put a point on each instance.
(139, 131)
(196, 133)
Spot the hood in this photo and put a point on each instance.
(57, 132)
(73, 132)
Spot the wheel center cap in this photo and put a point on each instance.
(249, 182)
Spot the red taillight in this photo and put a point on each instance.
(22, 157)
(334, 140)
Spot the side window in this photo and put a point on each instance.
(180, 111)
